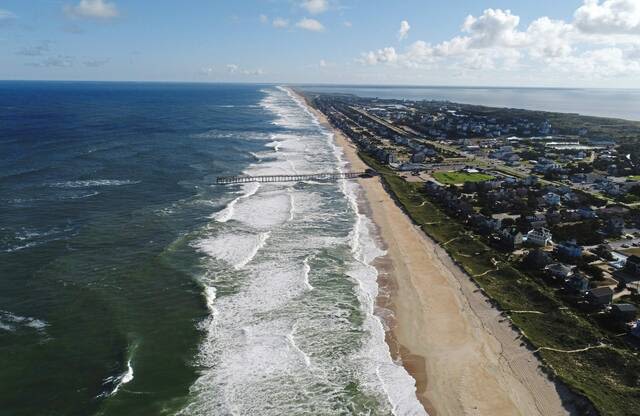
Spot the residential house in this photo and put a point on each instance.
(539, 237)
(632, 266)
(569, 249)
(614, 226)
(600, 296)
(559, 271)
(510, 238)
(552, 199)
(624, 311)
(577, 283)
(587, 213)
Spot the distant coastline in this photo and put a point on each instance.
(612, 103)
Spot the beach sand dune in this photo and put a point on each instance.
(465, 357)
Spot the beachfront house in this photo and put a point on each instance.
(600, 296)
(559, 271)
(624, 312)
(577, 284)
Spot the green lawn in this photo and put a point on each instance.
(457, 178)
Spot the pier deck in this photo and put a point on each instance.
(326, 176)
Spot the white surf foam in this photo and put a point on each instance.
(306, 272)
(398, 385)
(236, 249)
(93, 183)
(124, 378)
(276, 344)
(227, 213)
(11, 322)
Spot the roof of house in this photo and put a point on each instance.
(559, 267)
(601, 291)
(624, 307)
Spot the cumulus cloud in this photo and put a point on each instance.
(609, 17)
(310, 24)
(263, 18)
(602, 39)
(280, 23)
(315, 6)
(404, 30)
(93, 9)
(494, 28)
(237, 70)
(385, 55)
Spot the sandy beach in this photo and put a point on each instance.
(464, 356)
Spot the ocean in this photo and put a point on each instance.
(600, 102)
(131, 284)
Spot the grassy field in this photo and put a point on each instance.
(457, 178)
(609, 377)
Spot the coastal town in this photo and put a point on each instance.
(546, 197)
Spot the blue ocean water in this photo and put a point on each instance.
(131, 284)
(601, 102)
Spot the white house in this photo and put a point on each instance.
(539, 237)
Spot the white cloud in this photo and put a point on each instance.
(323, 63)
(494, 28)
(494, 41)
(404, 30)
(609, 17)
(237, 70)
(385, 55)
(310, 24)
(315, 6)
(264, 18)
(347, 23)
(280, 23)
(208, 70)
(95, 9)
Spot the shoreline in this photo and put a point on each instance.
(465, 358)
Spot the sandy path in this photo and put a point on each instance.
(465, 357)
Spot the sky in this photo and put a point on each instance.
(524, 43)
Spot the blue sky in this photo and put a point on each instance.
(590, 43)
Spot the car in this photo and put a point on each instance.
(625, 245)
(635, 244)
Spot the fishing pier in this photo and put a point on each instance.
(326, 176)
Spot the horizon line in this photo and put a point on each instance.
(317, 84)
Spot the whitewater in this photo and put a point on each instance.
(288, 278)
